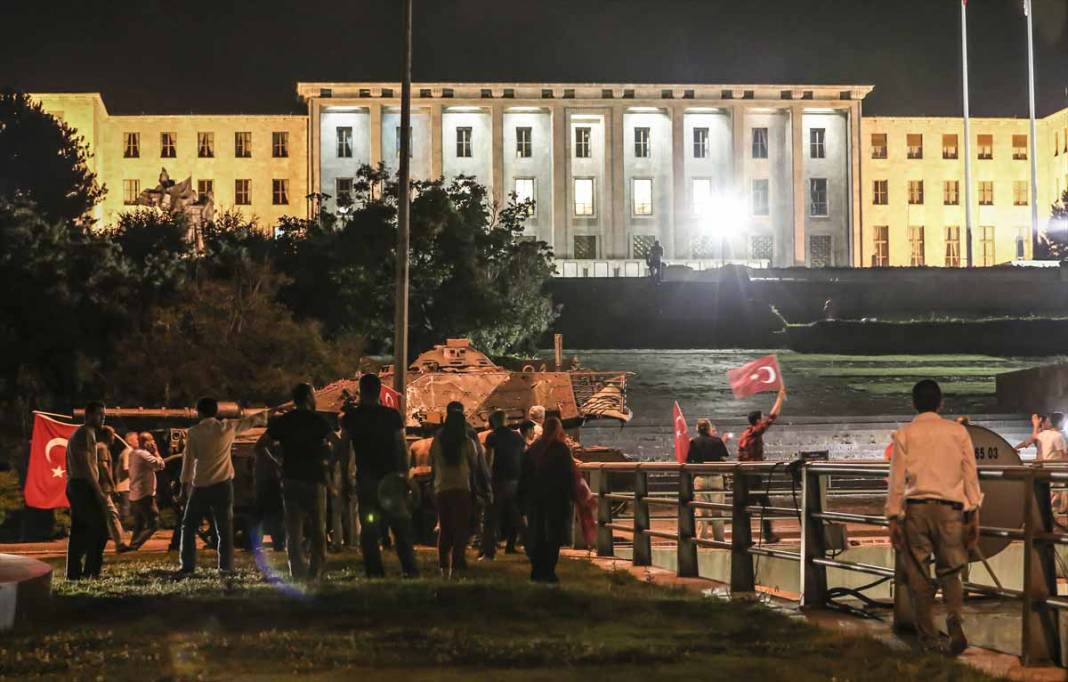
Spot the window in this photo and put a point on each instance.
(585, 246)
(915, 144)
(817, 148)
(1019, 147)
(700, 143)
(242, 192)
(243, 145)
(642, 196)
(915, 192)
(949, 146)
(951, 193)
(397, 144)
(343, 135)
(280, 192)
(206, 145)
(343, 191)
(986, 193)
(463, 142)
(760, 143)
(1021, 193)
(167, 143)
(280, 144)
(131, 145)
(582, 142)
(880, 192)
(952, 246)
(878, 145)
(205, 189)
(524, 147)
(817, 192)
(641, 143)
(916, 250)
(131, 189)
(1023, 239)
(986, 244)
(702, 197)
(641, 245)
(584, 197)
(524, 194)
(880, 258)
(761, 247)
(819, 251)
(761, 199)
(986, 147)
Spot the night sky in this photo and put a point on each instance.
(229, 57)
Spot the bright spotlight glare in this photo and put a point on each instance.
(724, 215)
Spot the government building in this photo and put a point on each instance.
(764, 175)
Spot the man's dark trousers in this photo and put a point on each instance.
(217, 500)
(88, 531)
(373, 522)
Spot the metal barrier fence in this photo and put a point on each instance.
(1039, 603)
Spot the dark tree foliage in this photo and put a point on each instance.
(1053, 243)
(42, 160)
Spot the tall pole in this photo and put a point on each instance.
(400, 320)
(1029, 10)
(967, 132)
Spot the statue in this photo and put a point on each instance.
(179, 198)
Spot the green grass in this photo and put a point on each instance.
(138, 623)
(801, 358)
(952, 388)
(903, 371)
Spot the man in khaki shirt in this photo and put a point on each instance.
(88, 509)
(933, 507)
(209, 471)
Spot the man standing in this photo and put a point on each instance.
(1051, 446)
(106, 440)
(342, 498)
(88, 510)
(208, 470)
(751, 449)
(655, 261)
(306, 439)
(933, 507)
(144, 463)
(707, 447)
(122, 475)
(377, 436)
(504, 449)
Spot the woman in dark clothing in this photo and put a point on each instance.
(452, 463)
(546, 488)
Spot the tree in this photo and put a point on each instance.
(43, 161)
(1053, 243)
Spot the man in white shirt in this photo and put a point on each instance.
(144, 463)
(933, 507)
(1048, 438)
(208, 470)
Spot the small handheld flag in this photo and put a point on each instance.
(757, 376)
(682, 435)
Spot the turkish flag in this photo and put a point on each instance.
(390, 398)
(682, 435)
(46, 476)
(757, 376)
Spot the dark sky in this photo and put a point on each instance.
(226, 56)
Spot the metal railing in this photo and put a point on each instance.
(809, 483)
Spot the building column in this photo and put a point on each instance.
(800, 197)
(314, 153)
(560, 162)
(739, 141)
(435, 142)
(856, 180)
(615, 193)
(374, 128)
(680, 242)
(497, 154)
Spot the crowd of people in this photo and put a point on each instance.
(515, 485)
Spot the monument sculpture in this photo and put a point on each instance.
(179, 198)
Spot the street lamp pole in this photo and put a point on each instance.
(1029, 10)
(400, 321)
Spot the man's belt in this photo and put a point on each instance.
(945, 503)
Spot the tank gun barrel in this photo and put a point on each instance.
(227, 410)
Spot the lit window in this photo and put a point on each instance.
(524, 194)
(952, 246)
(205, 189)
(242, 192)
(343, 136)
(949, 146)
(916, 246)
(761, 199)
(584, 197)
(582, 142)
(760, 143)
(280, 145)
(463, 142)
(131, 145)
(700, 143)
(1019, 147)
(915, 144)
(167, 145)
(1021, 192)
(343, 192)
(951, 193)
(878, 145)
(585, 246)
(642, 196)
(986, 244)
(243, 145)
(279, 192)
(915, 192)
(817, 192)
(880, 258)
(880, 192)
(702, 197)
(524, 147)
(641, 143)
(986, 147)
(131, 189)
(817, 138)
(761, 246)
(206, 145)
(986, 193)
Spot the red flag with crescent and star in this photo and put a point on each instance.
(388, 397)
(682, 435)
(46, 476)
(757, 376)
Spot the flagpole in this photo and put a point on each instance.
(1029, 10)
(967, 132)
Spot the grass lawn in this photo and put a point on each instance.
(138, 623)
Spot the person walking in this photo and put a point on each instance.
(933, 508)
(504, 450)
(208, 482)
(376, 433)
(343, 521)
(88, 511)
(144, 463)
(751, 449)
(306, 440)
(269, 511)
(122, 474)
(453, 463)
(106, 441)
(546, 488)
(1048, 438)
(705, 447)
